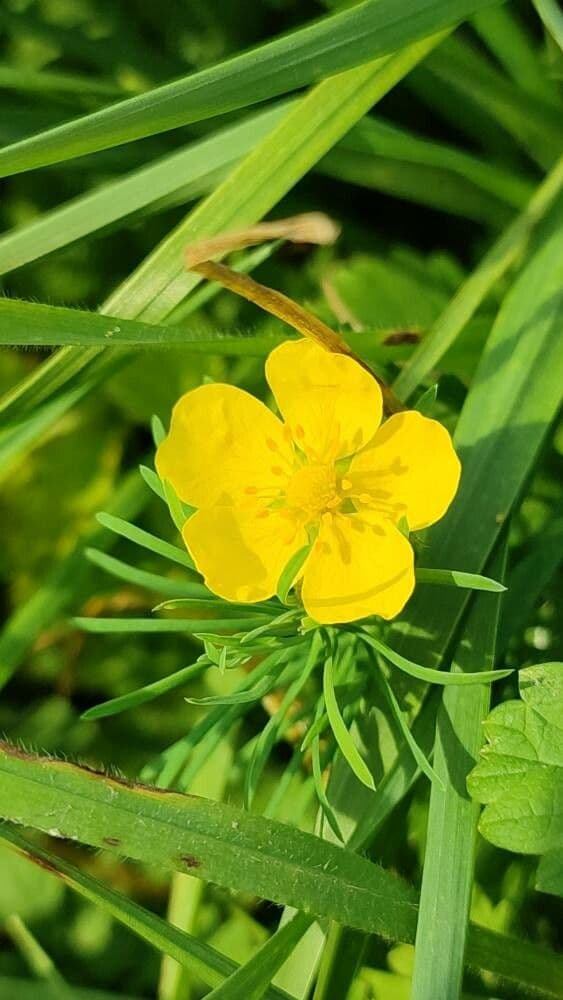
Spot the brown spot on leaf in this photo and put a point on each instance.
(402, 337)
(111, 841)
(189, 861)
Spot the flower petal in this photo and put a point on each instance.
(410, 469)
(332, 406)
(241, 554)
(357, 568)
(224, 446)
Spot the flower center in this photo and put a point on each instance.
(313, 489)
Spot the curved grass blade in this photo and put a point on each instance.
(347, 746)
(140, 696)
(455, 578)
(338, 42)
(428, 674)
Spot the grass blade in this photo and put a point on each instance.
(161, 283)
(247, 853)
(452, 820)
(552, 17)
(471, 294)
(252, 979)
(339, 42)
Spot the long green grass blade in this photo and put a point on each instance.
(247, 853)
(344, 40)
(161, 283)
(471, 294)
(187, 174)
(452, 820)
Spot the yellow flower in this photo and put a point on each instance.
(329, 475)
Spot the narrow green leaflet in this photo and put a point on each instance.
(144, 539)
(347, 39)
(168, 586)
(455, 578)
(117, 626)
(338, 726)
(428, 673)
(520, 774)
(238, 697)
(243, 852)
(125, 702)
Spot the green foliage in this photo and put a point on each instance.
(520, 774)
(272, 762)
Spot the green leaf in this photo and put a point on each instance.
(406, 732)
(343, 738)
(222, 844)
(145, 539)
(428, 673)
(549, 876)
(552, 17)
(336, 43)
(239, 697)
(290, 573)
(454, 578)
(187, 173)
(212, 966)
(150, 581)
(120, 626)
(147, 693)
(520, 774)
